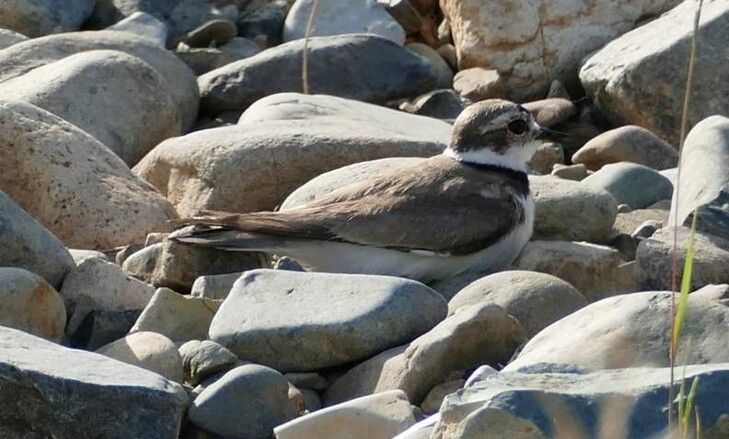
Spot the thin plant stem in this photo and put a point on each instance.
(305, 58)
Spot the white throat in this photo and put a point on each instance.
(488, 157)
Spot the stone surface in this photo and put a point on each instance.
(561, 400)
(72, 184)
(576, 172)
(552, 111)
(23, 57)
(35, 18)
(535, 299)
(216, 286)
(117, 98)
(631, 330)
(636, 185)
(531, 44)
(24, 243)
(205, 59)
(143, 25)
(431, 404)
(477, 84)
(9, 37)
(306, 135)
(572, 211)
(719, 293)
(655, 258)
(635, 78)
(628, 143)
(295, 321)
(100, 327)
(307, 380)
(445, 74)
(30, 304)
(475, 335)
(592, 269)
(263, 24)
(177, 317)
(628, 223)
(704, 178)
(379, 416)
(546, 156)
(339, 65)
(441, 104)
(203, 358)
(42, 380)
(147, 350)
(337, 17)
(211, 33)
(247, 402)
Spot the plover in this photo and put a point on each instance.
(469, 208)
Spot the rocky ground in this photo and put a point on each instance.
(117, 116)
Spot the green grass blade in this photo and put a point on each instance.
(688, 268)
(689, 406)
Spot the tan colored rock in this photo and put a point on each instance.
(431, 403)
(628, 143)
(570, 172)
(477, 84)
(72, 184)
(552, 111)
(30, 304)
(546, 156)
(628, 222)
(148, 350)
(379, 416)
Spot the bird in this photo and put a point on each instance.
(469, 208)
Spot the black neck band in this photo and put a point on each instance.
(519, 177)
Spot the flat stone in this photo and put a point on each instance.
(628, 223)
(147, 350)
(361, 67)
(308, 330)
(24, 243)
(478, 84)
(440, 104)
(575, 172)
(213, 32)
(36, 18)
(41, 379)
(628, 143)
(216, 286)
(636, 185)
(535, 299)
(203, 358)
(630, 330)
(30, 304)
(204, 59)
(552, 111)
(382, 415)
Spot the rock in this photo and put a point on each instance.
(440, 104)
(628, 143)
(125, 252)
(379, 416)
(704, 182)
(478, 84)
(445, 74)
(100, 327)
(72, 184)
(247, 402)
(655, 258)
(26, 244)
(405, 13)
(143, 25)
(558, 90)
(312, 401)
(263, 25)
(380, 312)
(630, 330)
(307, 380)
(561, 398)
(592, 269)
(448, 53)
(306, 135)
(475, 335)
(30, 304)
(118, 98)
(211, 33)
(552, 111)
(336, 17)
(628, 223)
(215, 286)
(177, 317)
(9, 37)
(576, 172)
(35, 18)
(339, 65)
(41, 380)
(203, 358)
(720, 293)
(535, 299)
(646, 229)
(637, 92)
(28, 55)
(176, 266)
(203, 60)
(431, 404)
(572, 211)
(147, 350)
(637, 186)
(546, 156)
(79, 255)
(531, 45)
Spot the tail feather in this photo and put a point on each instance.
(227, 239)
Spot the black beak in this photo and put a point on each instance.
(552, 135)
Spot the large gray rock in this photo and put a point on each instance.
(30, 304)
(632, 330)
(337, 17)
(640, 77)
(8, 38)
(247, 403)
(557, 400)
(35, 18)
(118, 98)
(72, 184)
(636, 185)
(362, 67)
(305, 135)
(629, 143)
(704, 178)
(52, 391)
(23, 57)
(295, 321)
(216, 286)
(26, 244)
(530, 44)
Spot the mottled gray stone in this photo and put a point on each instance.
(35, 18)
(216, 286)
(628, 143)
(203, 358)
(636, 185)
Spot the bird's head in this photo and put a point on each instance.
(496, 132)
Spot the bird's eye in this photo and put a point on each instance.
(517, 127)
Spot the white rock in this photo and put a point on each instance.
(147, 350)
